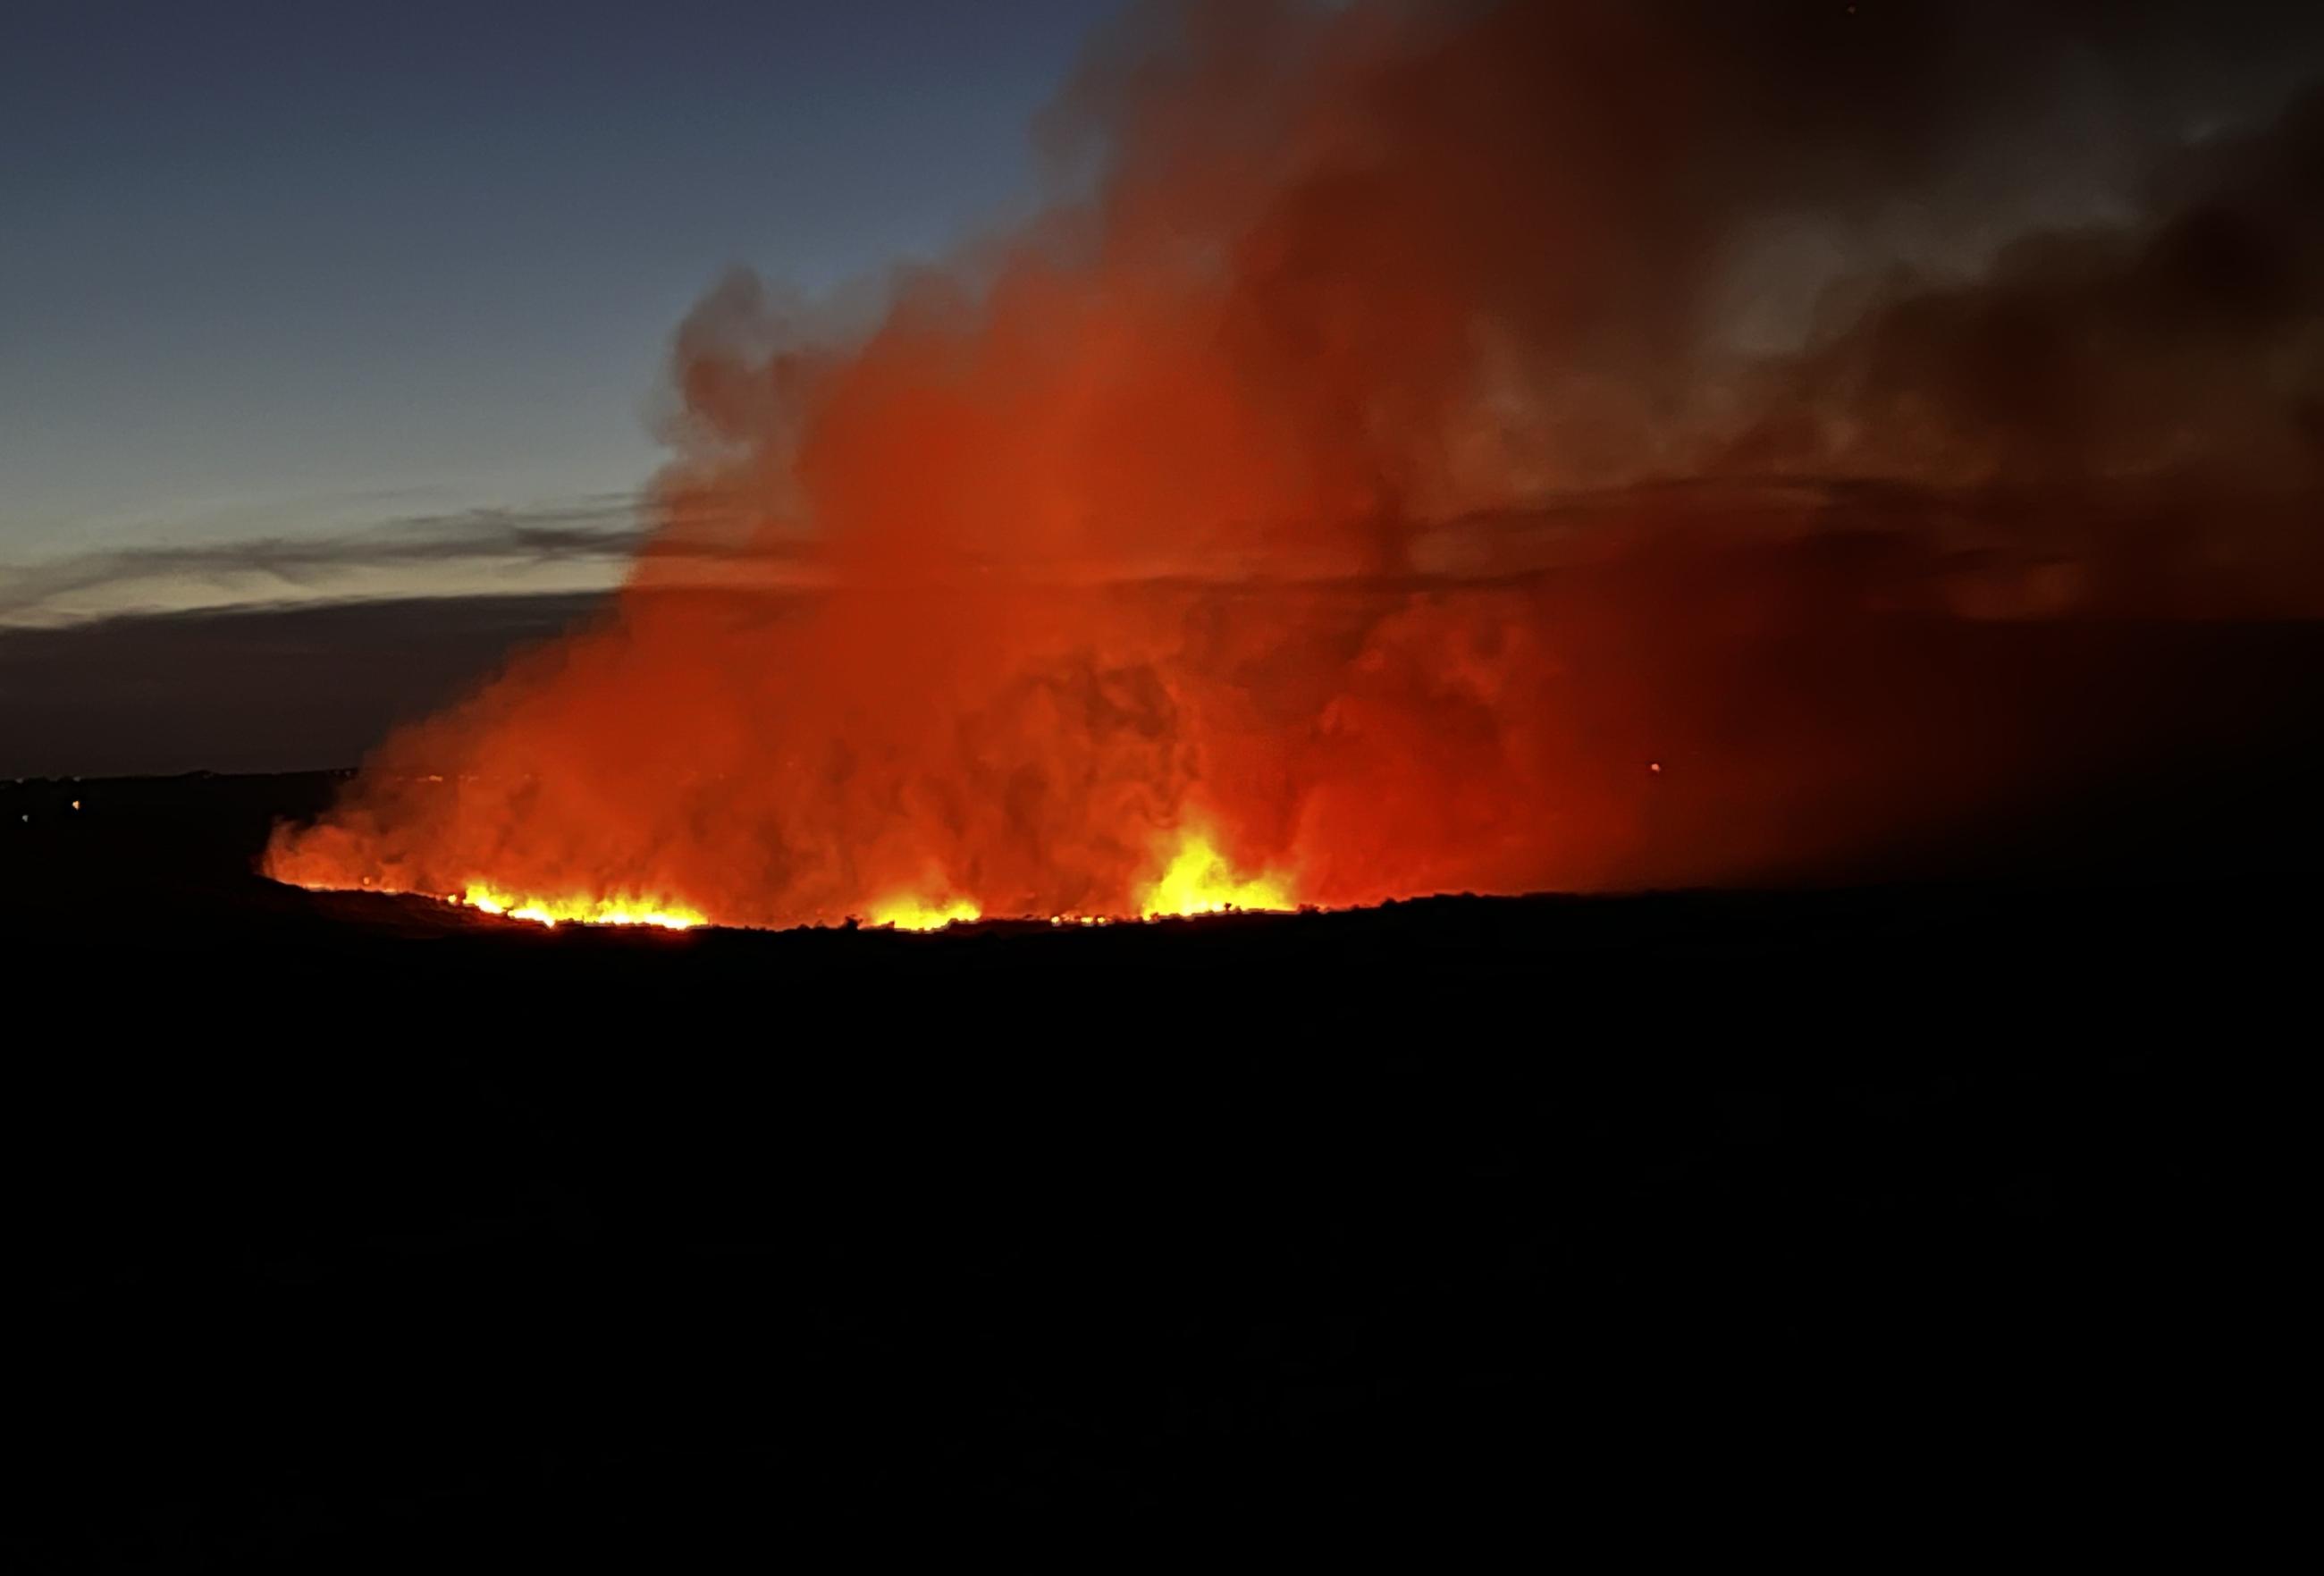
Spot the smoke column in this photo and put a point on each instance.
(1482, 447)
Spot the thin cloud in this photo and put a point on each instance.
(565, 547)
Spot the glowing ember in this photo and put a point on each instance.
(620, 910)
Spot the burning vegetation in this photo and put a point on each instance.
(1195, 879)
(1359, 482)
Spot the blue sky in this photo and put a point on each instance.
(269, 270)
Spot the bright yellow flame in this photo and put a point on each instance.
(616, 910)
(907, 913)
(1196, 878)
(1199, 881)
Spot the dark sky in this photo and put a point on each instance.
(287, 268)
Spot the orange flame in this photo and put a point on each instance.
(554, 911)
(1196, 878)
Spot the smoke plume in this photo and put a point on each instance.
(1457, 447)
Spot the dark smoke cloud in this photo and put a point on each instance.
(2182, 345)
(1479, 253)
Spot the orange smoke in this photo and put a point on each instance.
(1187, 549)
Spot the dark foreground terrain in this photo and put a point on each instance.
(348, 1234)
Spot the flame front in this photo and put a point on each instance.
(617, 910)
(907, 913)
(1199, 880)
(1196, 878)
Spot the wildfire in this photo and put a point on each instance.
(915, 914)
(1198, 880)
(617, 910)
